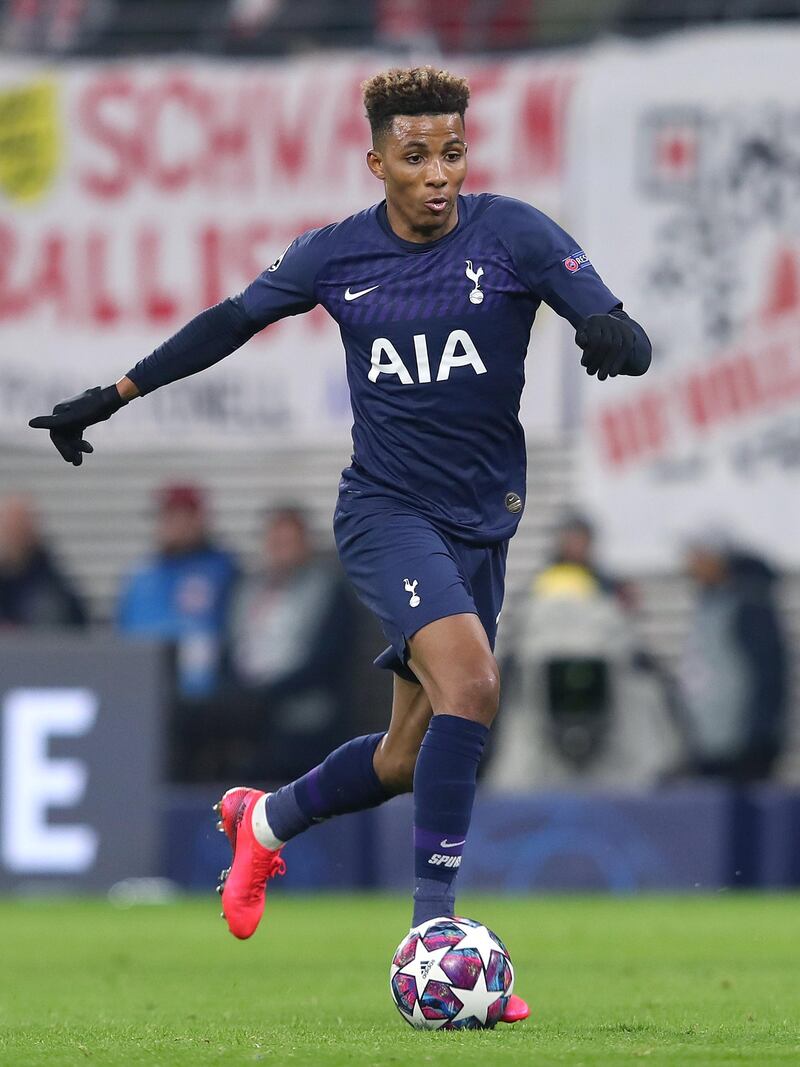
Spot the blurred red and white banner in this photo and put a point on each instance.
(685, 163)
(135, 195)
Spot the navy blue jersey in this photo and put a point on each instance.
(435, 338)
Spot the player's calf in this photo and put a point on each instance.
(454, 661)
(396, 756)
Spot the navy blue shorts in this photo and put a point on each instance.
(409, 573)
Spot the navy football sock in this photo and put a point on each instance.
(444, 790)
(345, 781)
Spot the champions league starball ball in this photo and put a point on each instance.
(451, 974)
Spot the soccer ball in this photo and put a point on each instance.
(451, 974)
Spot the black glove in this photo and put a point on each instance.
(71, 417)
(608, 342)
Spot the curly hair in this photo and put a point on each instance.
(412, 91)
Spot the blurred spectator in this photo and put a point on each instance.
(269, 27)
(587, 706)
(734, 668)
(147, 27)
(182, 592)
(290, 643)
(458, 25)
(250, 17)
(642, 17)
(573, 560)
(33, 591)
(275, 635)
(52, 26)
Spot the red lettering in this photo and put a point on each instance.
(542, 123)
(635, 430)
(257, 248)
(107, 278)
(103, 308)
(50, 281)
(777, 373)
(482, 83)
(98, 115)
(159, 306)
(653, 421)
(734, 387)
(229, 157)
(350, 132)
(618, 435)
(177, 102)
(174, 131)
(697, 402)
(783, 295)
(13, 302)
(293, 133)
(211, 266)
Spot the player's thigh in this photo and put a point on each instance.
(402, 568)
(454, 661)
(485, 571)
(397, 755)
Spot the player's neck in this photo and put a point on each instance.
(402, 228)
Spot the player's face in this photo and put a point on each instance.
(422, 162)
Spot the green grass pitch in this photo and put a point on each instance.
(694, 980)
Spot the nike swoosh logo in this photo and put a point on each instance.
(362, 292)
(444, 843)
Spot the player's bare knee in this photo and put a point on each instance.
(474, 693)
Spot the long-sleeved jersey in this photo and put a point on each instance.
(435, 338)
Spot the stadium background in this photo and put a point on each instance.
(154, 157)
(139, 190)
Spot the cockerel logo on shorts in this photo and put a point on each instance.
(411, 587)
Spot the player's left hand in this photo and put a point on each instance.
(607, 343)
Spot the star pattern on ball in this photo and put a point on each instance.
(451, 974)
(475, 1002)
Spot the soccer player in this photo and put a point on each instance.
(435, 294)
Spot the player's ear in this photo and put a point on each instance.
(375, 164)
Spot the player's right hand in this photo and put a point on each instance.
(71, 417)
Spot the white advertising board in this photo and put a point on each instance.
(134, 195)
(685, 161)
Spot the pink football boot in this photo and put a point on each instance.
(243, 886)
(516, 1010)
